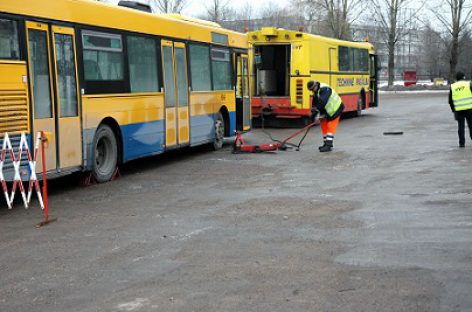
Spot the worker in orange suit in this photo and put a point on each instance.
(328, 103)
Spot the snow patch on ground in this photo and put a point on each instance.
(134, 305)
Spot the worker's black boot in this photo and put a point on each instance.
(328, 147)
(324, 143)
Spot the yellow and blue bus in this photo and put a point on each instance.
(285, 60)
(110, 84)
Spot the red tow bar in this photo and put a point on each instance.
(240, 145)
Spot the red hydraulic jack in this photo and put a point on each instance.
(240, 145)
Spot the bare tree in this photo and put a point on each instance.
(309, 15)
(245, 12)
(465, 61)
(268, 16)
(388, 14)
(433, 47)
(337, 15)
(169, 6)
(457, 18)
(273, 15)
(340, 14)
(241, 18)
(218, 10)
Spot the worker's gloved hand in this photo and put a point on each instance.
(314, 113)
(455, 115)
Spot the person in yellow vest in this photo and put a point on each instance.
(460, 100)
(328, 103)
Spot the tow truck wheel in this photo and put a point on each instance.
(359, 107)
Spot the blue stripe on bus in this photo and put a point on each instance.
(88, 147)
(139, 140)
(201, 129)
(148, 138)
(142, 139)
(232, 123)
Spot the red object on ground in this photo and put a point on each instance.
(240, 145)
(409, 77)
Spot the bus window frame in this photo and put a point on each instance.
(21, 32)
(351, 56)
(103, 35)
(189, 57)
(231, 70)
(157, 44)
(105, 86)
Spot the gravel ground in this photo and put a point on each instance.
(383, 223)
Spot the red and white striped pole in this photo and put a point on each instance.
(17, 182)
(2, 161)
(33, 182)
(45, 180)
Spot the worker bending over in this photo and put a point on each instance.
(328, 103)
(460, 100)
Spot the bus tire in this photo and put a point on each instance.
(360, 104)
(219, 132)
(105, 154)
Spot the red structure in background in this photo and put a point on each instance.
(409, 77)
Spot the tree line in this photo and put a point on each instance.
(442, 28)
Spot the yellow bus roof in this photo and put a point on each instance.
(278, 35)
(99, 14)
(191, 19)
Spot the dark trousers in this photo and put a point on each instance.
(461, 117)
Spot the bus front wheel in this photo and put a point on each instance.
(105, 154)
(219, 132)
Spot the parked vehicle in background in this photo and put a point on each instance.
(110, 84)
(285, 60)
(409, 78)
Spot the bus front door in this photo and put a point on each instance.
(176, 90)
(53, 89)
(243, 102)
(374, 92)
(40, 79)
(67, 98)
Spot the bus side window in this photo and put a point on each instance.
(364, 61)
(142, 59)
(106, 51)
(199, 56)
(344, 63)
(221, 67)
(9, 46)
(92, 70)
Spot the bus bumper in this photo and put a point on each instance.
(278, 107)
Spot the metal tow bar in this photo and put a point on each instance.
(240, 145)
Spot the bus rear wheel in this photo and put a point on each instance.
(219, 132)
(105, 154)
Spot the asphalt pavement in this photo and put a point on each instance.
(382, 223)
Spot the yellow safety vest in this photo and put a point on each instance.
(334, 101)
(461, 95)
